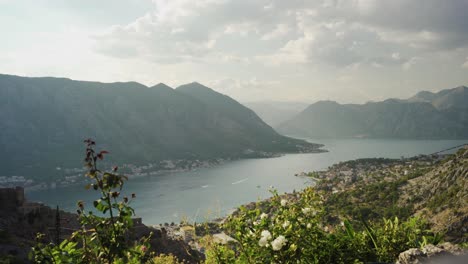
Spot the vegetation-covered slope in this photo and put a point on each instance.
(423, 186)
(441, 195)
(362, 211)
(44, 121)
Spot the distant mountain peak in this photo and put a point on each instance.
(194, 85)
(461, 88)
(139, 124)
(162, 86)
(441, 114)
(326, 102)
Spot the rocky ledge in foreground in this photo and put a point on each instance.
(444, 253)
(21, 220)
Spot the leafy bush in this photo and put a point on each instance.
(290, 229)
(101, 239)
(164, 259)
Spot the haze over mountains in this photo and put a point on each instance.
(427, 115)
(274, 113)
(44, 121)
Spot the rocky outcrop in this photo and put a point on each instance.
(443, 253)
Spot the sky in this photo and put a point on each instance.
(350, 51)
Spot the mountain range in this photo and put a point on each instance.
(44, 121)
(427, 115)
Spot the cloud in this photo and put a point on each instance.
(292, 50)
(229, 84)
(465, 65)
(410, 63)
(245, 89)
(333, 32)
(280, 31)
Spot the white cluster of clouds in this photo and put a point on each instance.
(245, 48)
(338, 32)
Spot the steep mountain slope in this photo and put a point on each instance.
(44, 120)
(434, 187)
(235, 121)
(426, 115)
(275, 113)
(445, 99)
(441, 195)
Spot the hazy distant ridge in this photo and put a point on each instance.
(274, 113)
(426, 115)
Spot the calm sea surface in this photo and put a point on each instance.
(213, 192)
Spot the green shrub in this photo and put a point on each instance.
(291, 230)
(101, 239)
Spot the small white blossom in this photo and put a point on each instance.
(286, 224)
(309, 226)
(278, 243)
(263, 242)
(263, 216)
(283, 202)
(256, 222)
(308, 210)
(266, 233)
(265, 236)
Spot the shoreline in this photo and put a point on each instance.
(161, 167)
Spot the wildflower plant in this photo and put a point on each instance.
(276, 232)
(103, 238)
(292, 229)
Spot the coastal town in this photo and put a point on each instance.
(344, 175)
(75, 176)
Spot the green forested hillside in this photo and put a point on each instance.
(44, 121)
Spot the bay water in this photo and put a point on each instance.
(209, 193)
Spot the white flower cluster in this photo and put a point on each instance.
(278, 243)
(263, 216)
(308, 210)
(286, 224)
(265, 236)
(284, 202)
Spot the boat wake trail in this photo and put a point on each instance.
(241, 181)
